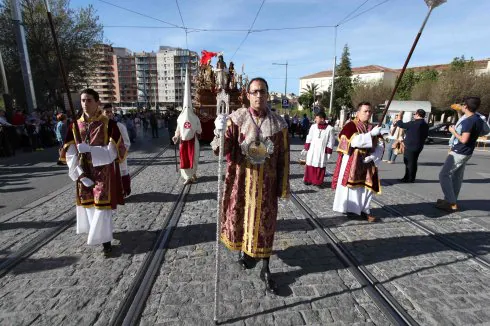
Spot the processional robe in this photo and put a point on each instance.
(94, 205)
(251, 192)
(353, 180)
(188, 126)
(319, 142)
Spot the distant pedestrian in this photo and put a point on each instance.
(305, 126)
(466, 135)
(395, 145)
(416, 133)
(154, 125)
(61, 130)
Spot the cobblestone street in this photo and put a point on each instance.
(67, 282)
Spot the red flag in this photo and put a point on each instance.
(206, 56)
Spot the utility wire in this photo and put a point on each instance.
(248, 33)
(352, 12)
(138, 13)
(365, 11)
(183, 24)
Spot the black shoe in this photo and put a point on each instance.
(270, 285)
(245, 261)
(403, 180)
(107, 248)
(307, 183)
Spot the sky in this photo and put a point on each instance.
(382, 35)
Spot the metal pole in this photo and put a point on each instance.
(405, 66)
(23, 55)
(332, 89)
(286, 81)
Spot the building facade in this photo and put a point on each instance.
(146, 78)
(105, 79)
(171, 65)
(126, 67)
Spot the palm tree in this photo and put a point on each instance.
(311, 89)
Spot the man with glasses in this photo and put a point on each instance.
(257, 174)
(465, 136)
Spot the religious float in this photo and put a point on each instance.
(213, 84)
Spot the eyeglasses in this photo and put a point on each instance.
(258, 91)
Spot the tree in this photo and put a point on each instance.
(309, 96)
(343, 83)
(375, 93)
(77, 30)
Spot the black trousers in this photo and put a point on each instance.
(410, 158)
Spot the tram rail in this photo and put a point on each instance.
(133, 304)
(45, 237)
(378, 293)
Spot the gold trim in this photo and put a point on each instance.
(229, 244)
(253, 208)
(247, 202)
(258, 213)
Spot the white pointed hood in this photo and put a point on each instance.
(188, 123)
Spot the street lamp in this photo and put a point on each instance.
(431, 4)
(285, 80)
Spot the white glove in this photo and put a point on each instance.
(175, 139)
(328, 156)
(375, 131)
(303, 152)
(369, 159)
(84, 148)
(220, 122)
(87, 182)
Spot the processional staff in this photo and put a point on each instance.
(431, 4)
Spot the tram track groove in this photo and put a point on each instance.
(45, 237)
(133, 304)
(440, 237)
(378, 293)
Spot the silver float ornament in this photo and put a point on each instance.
(434, 3)
(257, 151)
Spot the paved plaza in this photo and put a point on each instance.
(67, 282)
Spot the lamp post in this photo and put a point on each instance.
(332, 90)
(431, 4)
(285, 80)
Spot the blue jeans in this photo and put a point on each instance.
(451, 176)
(390, 152)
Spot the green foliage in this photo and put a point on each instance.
(306, 100)
(77, 31)
(343, 83)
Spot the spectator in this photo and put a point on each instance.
(416, 134)
(452, 172)
(154, 125)
(3, 120)
(395, 140)
(61, 129)
(305, 126)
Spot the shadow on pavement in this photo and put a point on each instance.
(43, 264)
(28, 225)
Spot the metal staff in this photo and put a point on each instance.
(431, 4)
(222, 110)
(63, 74)
(175, 155)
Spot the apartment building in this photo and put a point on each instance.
(105, 78)
(171, 64)
(126, 67)
(146, 78)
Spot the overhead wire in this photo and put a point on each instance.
(352, 12)
(365, 11)
(248, 33)
(183, 24)
(140, 14)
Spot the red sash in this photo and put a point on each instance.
(187, 154)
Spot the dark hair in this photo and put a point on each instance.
(472, 102)
(257, 79)
(420, 113)
(363, 103)
(90, 91)
(108, 106)
(321, 114)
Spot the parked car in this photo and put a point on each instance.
(439, 134)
